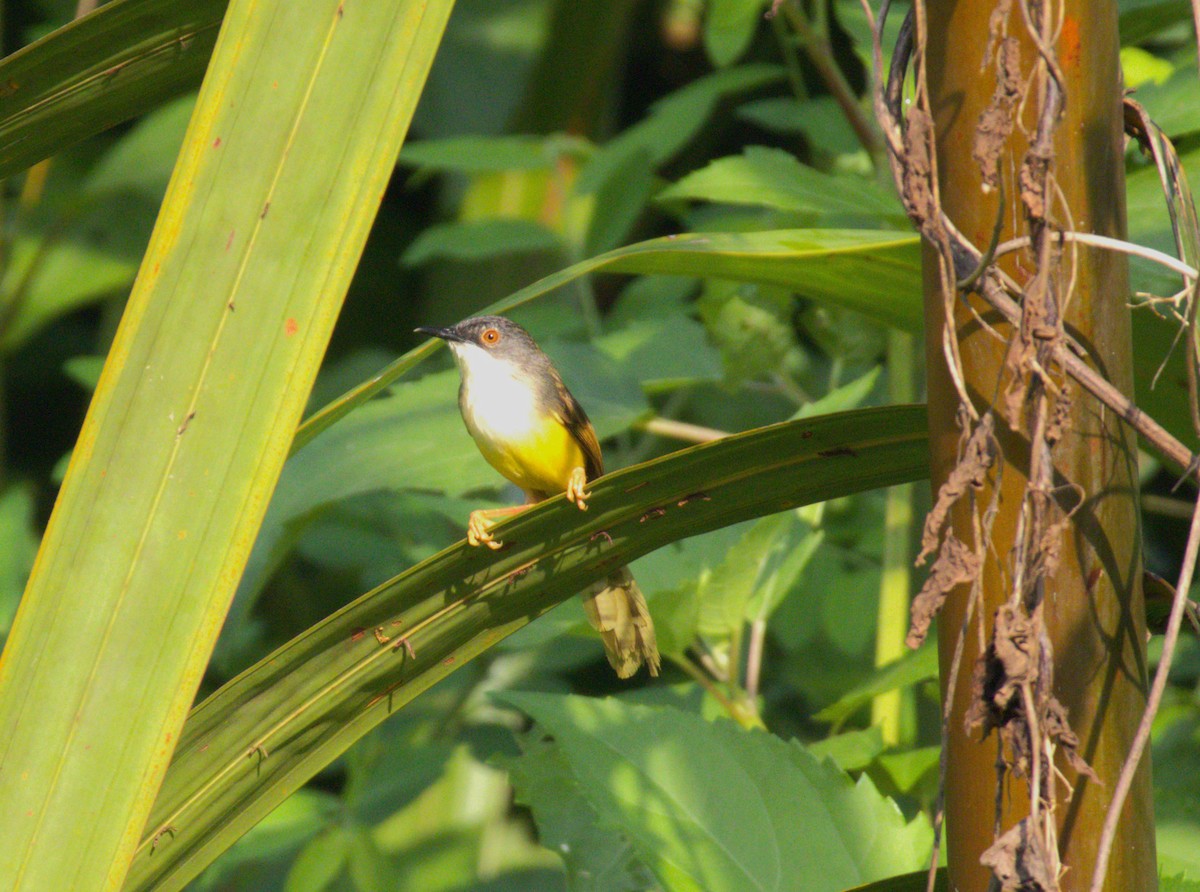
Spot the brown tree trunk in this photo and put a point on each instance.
(1093, 603)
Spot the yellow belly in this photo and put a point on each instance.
(540, 460)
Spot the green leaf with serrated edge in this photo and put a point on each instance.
(264, 734)
(875, 273)
(918, 666)
(852, 751)
(908, 768)
(597, 858)
(711, 806)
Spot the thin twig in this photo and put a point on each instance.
(754, 655)
(1113, 244)
(681, 430)
(816, 47)
(1138, 748)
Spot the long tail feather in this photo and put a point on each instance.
(617, 610)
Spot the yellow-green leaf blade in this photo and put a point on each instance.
(297, 127)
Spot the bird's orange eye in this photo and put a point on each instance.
(491, 337)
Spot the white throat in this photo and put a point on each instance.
(496, 405)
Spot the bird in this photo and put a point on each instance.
(532, 430)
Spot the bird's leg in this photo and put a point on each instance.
(480, 522)
(577, 490)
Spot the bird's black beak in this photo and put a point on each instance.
(446, 334)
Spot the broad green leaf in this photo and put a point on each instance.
(123, 59)
(618, 202)
(492, 154)
(909, 768)
(264, 734)
(320, 862)
(729, 26)
(875, 273)
(852, 751)
(1154, 338)
(368, 867)
(666, 352)
(920, 665)
(774, 178)
(141, 161)
(757, 571)
(1177, 793)
(84, 370)
(781, 579)
(597, 858)
(841, 399)
(479, 240)
(286, 158)
(673, 122)
(711, 806)
(48, 276)
(820, 120)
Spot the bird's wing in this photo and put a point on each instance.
(575, 420)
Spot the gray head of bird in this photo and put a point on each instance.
(494, 337)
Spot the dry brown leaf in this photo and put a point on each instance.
(1019, 861)
(956, 564)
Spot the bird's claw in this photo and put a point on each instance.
(478, 533)
(577, 490)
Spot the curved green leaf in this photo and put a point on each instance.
(876, 273)
(265, 733)
(123, 59)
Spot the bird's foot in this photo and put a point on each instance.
(477, 531)
(480, 523)
(577, 490)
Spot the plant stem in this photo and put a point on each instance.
(820, 53)
(893, 711)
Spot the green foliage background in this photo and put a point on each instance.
(550, 132)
